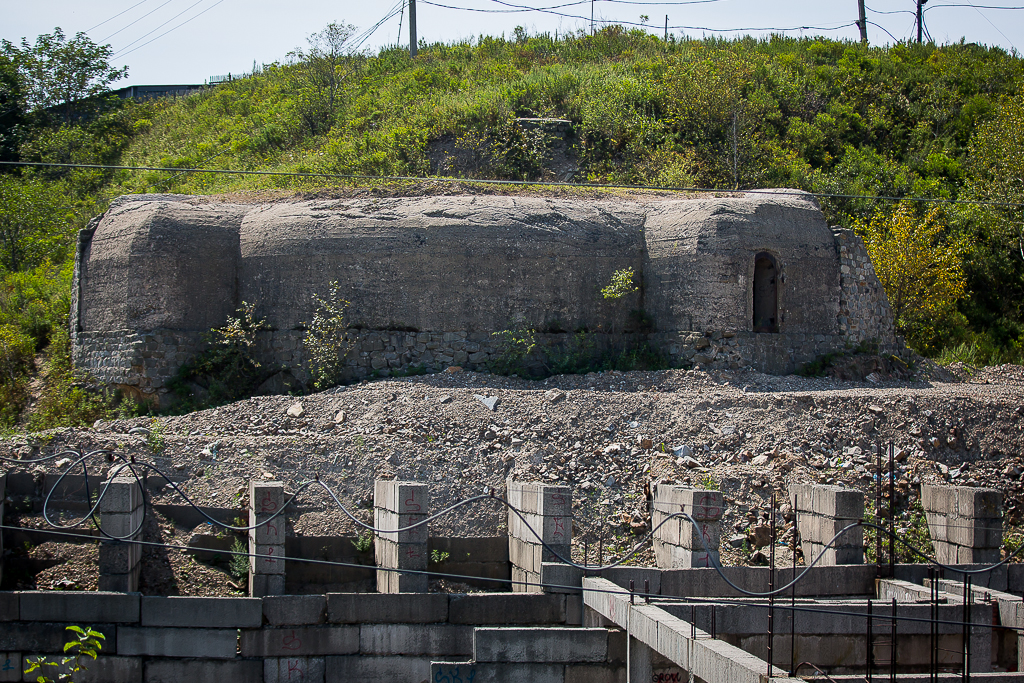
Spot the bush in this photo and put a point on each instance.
(326, 340)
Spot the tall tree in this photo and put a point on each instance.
(60, 72)
(12, 109)
(321, 71)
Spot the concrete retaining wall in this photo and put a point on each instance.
(965, 523)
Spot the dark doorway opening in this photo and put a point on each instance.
(766, 294)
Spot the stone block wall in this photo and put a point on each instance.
(542, 535)
(864, 312)
(677, 542)
(821, 513)
(396, 505)
(965, 523)
(121, 514)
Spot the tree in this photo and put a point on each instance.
(321, 74)
(920, 267)
(12, 108)
(59, 72)
(35, 223)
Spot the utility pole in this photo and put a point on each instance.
(863, 23)
(666, 28)
(412, 28)
(920, 20)
(591, 17)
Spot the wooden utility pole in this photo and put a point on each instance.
(666, 28)
(920, 19)
(863, 23)
(412, 28)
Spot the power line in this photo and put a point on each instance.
(525, 183)
(116, 16)
(144, 16)
(124, 51)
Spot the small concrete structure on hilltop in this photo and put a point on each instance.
(752, 280)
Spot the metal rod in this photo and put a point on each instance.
(967, 627)
(631, 594)
(771, 589)
(878, 509)
(714, 619)
(892, 510)
(693, 622)
(892, 647)
(792, 601)
(647, 591)
(868, 653)
(933, 600)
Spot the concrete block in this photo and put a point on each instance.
(978, 502)
(122, 494)
(452, 672)
(79, 607)
(122, 524)
(703, 536)
(100, 670)
(937, 526)
(403, 497)
(295, 610)
(266, 584)
(598, 673)
(670, 556)
(386, 519)
(370, 608)
(700, 504)
(294, 670)
(560, 578)
(436, 640)
(977, 532)
(36, 637)
(118, 557)
(396, 581)
(268, 559)
(529, 556)
(9, 606)
(507, 608)
(828, 501)
(269, 532)
(10, 666)
(621, 576)
(525, 582)
(265, 498)
(401, 556)
(200, 671)
(202, 612)
(540, 644)
(121, 583)
(539, 499)
(207, 643)
(302, 641)
(553, 530)
(349, 668)
(940, 499)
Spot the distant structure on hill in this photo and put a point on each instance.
(749, 280)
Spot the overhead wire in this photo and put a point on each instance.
(123, 50)
(147, 14)
(105, 21)
(525, 183)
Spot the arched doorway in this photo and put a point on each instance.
(766, 293)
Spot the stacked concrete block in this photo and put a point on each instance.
(541, 533)
(821, 513)
(399, 505)
(965, 523)
(266, 541)
(121, 515)
(678, 542)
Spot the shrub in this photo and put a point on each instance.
(327, 342)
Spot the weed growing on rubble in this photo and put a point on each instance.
(514, 347)
(238, 565)
(327, 342)
(155, 437)
(364, 542)
(85, 643)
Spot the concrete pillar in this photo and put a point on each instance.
(821, 513)
(678, 544)
(266, 542)
(546, 516)
(121, 513)
(965, 523)
(398, 504)
(641, 659)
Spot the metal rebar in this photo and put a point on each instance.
(631, 594)
(892, 646)
(693, 622)
(647, 591)
(868, 653)
(771, 590)
(586, 556)
(878, 509)
(714, 625)
(792, 603)
(967, 628)
(892, 511)
(933, 600)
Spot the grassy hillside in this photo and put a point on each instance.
(825, 116)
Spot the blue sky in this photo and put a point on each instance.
(187, 41)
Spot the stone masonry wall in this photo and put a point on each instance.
(864, 313)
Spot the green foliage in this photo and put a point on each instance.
(320, 73)
(36, 223)
(327, 342)
(622, 283)
(911, 528)
(513, 348)
(16, 361)
(707, 482)
(155, 436)
(238, 565)
(227, 370)
(85, 643)
(364, 541)
(439, 556)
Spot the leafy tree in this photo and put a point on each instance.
(61, 72)
(321, 75)
(36, 223)
(12, 108)
(920, 267)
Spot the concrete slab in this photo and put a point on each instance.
(201, 612)
(540, 644)
(371, 608)
(452, 672)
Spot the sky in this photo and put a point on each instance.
(188, 41)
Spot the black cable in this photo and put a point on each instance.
(105, 21)
(540, 183)
(147, 14)
(122, 52)
(894, 38)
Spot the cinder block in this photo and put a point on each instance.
(370, 608)
(700, 504)
(294, 670)
(206, 643)
(261, 585)
(100, 670)
(266, 497)
(122, 494)
(10, 666)
(123, 524)
(404, 497)
(302, 641)
(268, 559)
(349, 668)
(497, 672)
(119, 557)
(539, 499)
(121, 583)
(201, 612)
(437, 640)
(9, 609)
(79, 607)
(269, 532)
(507, 608)
(199, 671)
(402, 555)
(540, 644)
(386, 519)
(295, 610)
(397, 581)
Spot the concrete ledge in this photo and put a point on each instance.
(445, 672)
(77, 607)
(207, 643)
(350, 668)
(10, 609)
(196, 671)
(371, 608)
(543, 644)
(507, 608)
(44, 637)
(295, 610)
(435, 640)
(202, 612)
(300, 642)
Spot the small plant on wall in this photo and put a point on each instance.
(327, 342)
(84, 644)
